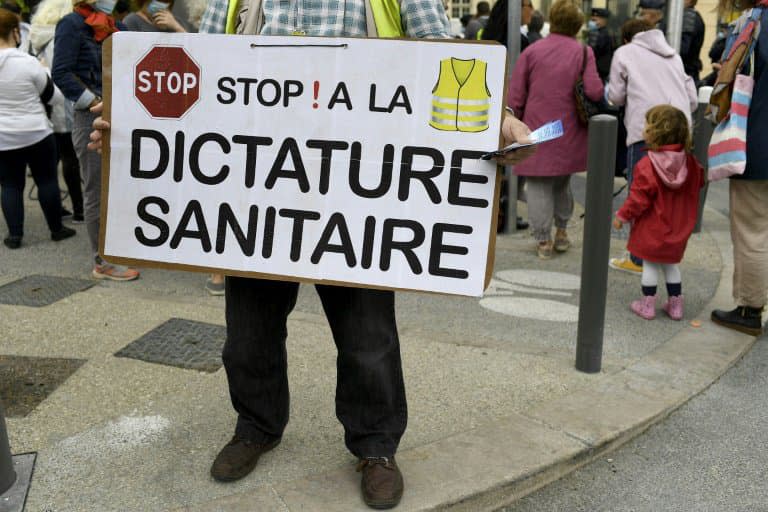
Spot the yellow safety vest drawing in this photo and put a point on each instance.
(460, 99)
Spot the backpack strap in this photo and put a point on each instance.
(748, 25)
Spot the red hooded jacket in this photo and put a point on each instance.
(663, 204)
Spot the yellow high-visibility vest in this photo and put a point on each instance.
(461, 99)
(231, 16)
(386, 15)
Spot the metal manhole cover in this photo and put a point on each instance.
(26, 381)
(181, 343)
(38, 290)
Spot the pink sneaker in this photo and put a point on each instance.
(674, 307)
(645, 307)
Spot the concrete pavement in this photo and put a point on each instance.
(495, 406)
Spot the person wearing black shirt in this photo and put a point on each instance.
(600, 40)
(496, 28)
(692, 40)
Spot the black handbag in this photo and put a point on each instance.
(585, 108)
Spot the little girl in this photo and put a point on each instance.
(662, 207)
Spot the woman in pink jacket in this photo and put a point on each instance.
(645, 72)
(541, 90)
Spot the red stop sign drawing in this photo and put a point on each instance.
(167, 82)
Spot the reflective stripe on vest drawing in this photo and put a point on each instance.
(460, 99)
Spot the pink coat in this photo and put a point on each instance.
(645, 73)
(541, 90)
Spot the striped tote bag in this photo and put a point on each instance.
(727, 153)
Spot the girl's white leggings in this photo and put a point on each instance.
(651, 273)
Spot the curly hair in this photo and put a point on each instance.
(49, 12)
(665, 124)
(565, 18)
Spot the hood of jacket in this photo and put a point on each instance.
(40, 36)
(653, 40)
(6, 54)
(670, 163)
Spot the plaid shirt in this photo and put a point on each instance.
(345, 18)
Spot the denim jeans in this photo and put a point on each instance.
(635, 152)
(41, 159)
(370, 393)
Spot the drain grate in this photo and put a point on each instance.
(26, 381)
(180, 343)
(38, 290)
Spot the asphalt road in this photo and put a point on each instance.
(709, 455)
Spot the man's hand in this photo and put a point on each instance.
(617, 223)
(99, 125)
(514, 130)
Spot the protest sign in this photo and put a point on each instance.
(335, 160)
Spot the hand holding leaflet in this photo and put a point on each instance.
(548, 131)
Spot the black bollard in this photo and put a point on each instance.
(601, 156)
(513, 53)
(7, 474)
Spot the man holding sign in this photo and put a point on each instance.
(370, 398)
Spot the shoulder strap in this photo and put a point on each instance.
(40, 51)
(583, 60)
(749, 20)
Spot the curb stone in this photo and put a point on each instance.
(495, 464)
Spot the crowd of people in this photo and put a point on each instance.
(634, 76)
(644, 75)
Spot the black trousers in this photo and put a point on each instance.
(70, 170)
(41, 159)
(370, 393)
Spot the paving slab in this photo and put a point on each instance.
(488, 383)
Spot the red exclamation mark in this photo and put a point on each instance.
(317, 90)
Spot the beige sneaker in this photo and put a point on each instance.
(544, 250)
(114, 272)
(625, 264)
(562, 243)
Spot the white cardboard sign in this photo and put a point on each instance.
(352, 161)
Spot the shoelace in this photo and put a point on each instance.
(373, 461)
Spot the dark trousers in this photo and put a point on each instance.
(370, 393)
(41, 159)
(70, 170)
(635, 153)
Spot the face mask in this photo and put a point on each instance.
(592, 25)
(105, 6)
(155, 7)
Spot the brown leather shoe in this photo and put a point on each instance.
(382, 482)
(238, 458)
